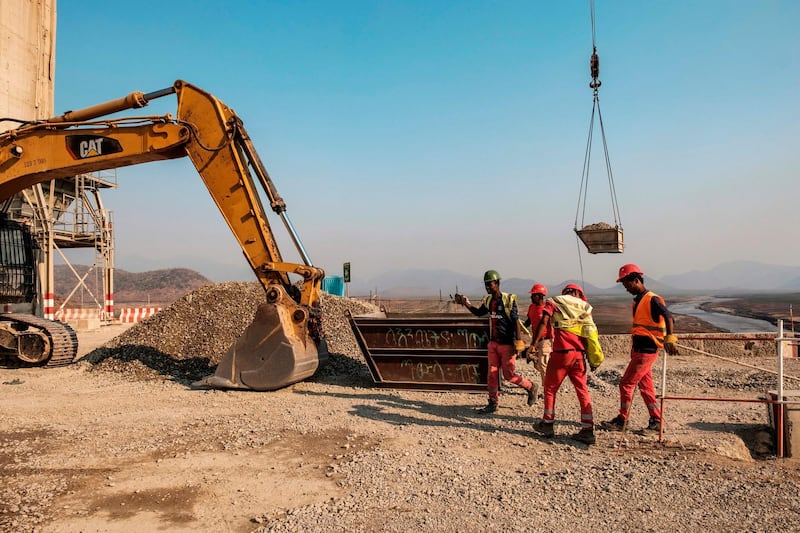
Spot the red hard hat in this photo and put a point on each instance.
(627, 270)
(538, 288)
(575, 287)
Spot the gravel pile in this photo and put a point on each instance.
(186, 340)
(598, 225)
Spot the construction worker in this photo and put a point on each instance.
(538, 353)
(505, 339)
(652, 329)
(564, 313)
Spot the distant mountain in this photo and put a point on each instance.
(157, 286)
(791, 285)
(416, 283)
(427, 283)
(743, 276)
(740, 276)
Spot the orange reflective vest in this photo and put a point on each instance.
(643, 323)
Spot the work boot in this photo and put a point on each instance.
(585, 436)
(654, 425)
(533, 392)
(615, 424)
(544, 428)
(490, 408)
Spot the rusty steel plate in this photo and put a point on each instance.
(442, 352)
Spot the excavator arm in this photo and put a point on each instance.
(285, 343)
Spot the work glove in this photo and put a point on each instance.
(671, 344)
(523, 353)
(530, 354)
(460, 299)
(519, 345)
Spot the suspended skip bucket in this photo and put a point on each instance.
(601, 238)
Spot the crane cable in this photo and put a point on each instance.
(594, 67)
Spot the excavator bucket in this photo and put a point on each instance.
(274, 351)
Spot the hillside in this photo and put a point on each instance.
(154, 286)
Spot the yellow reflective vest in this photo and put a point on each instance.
(575, 315)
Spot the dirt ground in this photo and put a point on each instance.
(96, 452)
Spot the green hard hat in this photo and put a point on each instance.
(491, 275)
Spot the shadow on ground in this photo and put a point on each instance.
(395, 410)
(146, 362)
(758, 439)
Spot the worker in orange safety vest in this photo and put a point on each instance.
(652, 330)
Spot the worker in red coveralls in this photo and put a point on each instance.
(652, 329)
(566, 360)
(505, 339)
(538, 353)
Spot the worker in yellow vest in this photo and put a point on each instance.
(574, 329)
(505, 339)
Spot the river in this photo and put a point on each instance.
(732, 323)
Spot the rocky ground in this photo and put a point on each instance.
(120, 441)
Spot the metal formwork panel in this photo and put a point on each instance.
(425, 352)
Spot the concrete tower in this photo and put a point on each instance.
(27, 60)
(63, 213)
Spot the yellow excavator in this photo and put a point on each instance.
(285, 343)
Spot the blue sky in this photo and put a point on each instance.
(451, 135)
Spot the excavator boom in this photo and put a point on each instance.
(285, 343)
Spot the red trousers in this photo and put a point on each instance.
(561, 365)
(639, 372)
(503, 356)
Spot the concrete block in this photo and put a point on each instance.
(86, 324)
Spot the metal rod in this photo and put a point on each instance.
(763, 337)
(158, 94)
(779, 422)
(663, 393)
(738, 400)
(293, 234)
(276, 202)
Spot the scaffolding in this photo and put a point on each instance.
(62, 214)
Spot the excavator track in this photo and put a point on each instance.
(63, 339)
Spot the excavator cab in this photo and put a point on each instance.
(24, 338)
(17, 262)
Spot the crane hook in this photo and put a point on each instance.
(594, 68)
